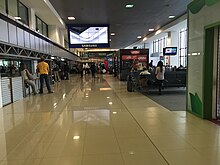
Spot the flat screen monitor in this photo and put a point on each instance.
(88, 36)
(169, 51)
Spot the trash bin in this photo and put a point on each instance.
(129, 84)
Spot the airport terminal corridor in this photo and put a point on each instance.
(95, 121)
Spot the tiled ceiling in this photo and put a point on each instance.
(127, 24)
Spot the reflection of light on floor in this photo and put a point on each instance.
(92, 116)
(105, 89)
(131, 152)
(76, 137)
(64, 95)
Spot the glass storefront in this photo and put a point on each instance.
(9, 68)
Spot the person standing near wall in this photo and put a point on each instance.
(56, 72)
(43, 69)
(66, 71)
(160, 70)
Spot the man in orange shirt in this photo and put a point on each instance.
(43, 69)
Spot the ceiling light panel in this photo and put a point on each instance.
(129, 5)
(151, 30)
(171, 17)
(71, 18)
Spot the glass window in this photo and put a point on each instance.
(2, 6)
(183, 47)
(159, 44)
(13, 8)
(23, 13)
(41, 26)
(45, 30)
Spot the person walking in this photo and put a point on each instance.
(43, 69)
(160, 71)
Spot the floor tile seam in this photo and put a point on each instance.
(143, 130)
(83, 150)
(116, 138)
(120, 149)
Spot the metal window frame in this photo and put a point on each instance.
(182, 56)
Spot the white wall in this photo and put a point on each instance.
(55, 34)
(174, 60)
(32, 19)
(173, 40)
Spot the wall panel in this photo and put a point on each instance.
(3, 31)
(20, 33)
(27, 40)
(12, 34)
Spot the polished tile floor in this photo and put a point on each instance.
(97, 122)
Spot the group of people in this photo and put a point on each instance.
(159, 74)
(87, 68)
(43, 70)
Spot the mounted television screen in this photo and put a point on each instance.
(88, 36)
(169, 51)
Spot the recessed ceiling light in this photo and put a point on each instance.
(114, 113)
(151, 30)
(171, 17)
(112, 34)
(107, 97)
(110, 40)
(71, 18)
(139, 37)
(17, 18)
(129, 5)
(110, 103)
